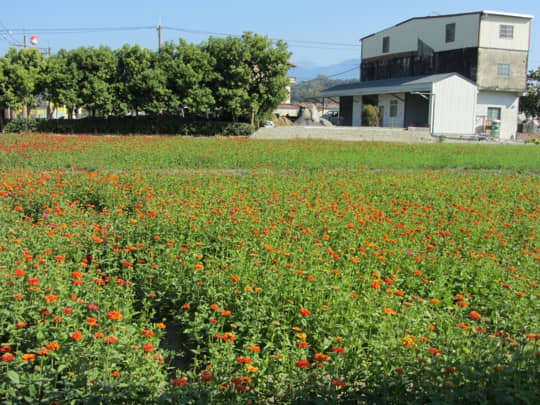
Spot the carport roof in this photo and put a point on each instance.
(397, 85)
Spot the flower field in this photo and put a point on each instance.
(170, 270)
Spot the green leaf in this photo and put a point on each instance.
(13, 376)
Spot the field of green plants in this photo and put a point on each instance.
(195, 270)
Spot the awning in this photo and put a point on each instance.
(398, 85)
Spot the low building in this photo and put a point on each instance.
(488, 48)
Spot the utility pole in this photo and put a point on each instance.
(24, 42)
(159, 29)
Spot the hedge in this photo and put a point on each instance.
(129, 126)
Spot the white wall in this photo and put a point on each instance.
(404, 37)
(509, 104)
(397, 121)
(489, 33)
(357, 111)
(454, 106)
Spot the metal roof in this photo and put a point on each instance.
(397, 85)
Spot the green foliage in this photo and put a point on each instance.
(235, 79)
(370, 115)
(251, 76)
(530, 104)
(170, 125)
(310, 90)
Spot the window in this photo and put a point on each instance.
(393, 108)
(385, 44)
(494, 113)
(450, 35)
(506, 31)
(503, 69)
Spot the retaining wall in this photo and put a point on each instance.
(347, 134)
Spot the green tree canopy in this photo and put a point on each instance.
(530, 104)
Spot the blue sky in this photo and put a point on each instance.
(316, 22)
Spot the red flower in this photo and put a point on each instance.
(244, 360)
(179, 382)
(302, 363)
(338, 383)
(302, 345)
(7, 357)
(206, 376)
(305, 312)
(5, 349)
(148, 347)
(434, 351)
(338, 350)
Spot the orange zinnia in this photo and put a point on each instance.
(77, 335)
(114, 316)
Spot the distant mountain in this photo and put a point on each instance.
(310, 90)
(348, 69)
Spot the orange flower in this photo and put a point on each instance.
(255, 348)
(225, 313)
(114, 316)
(92, 321)
(77, 335)
(148, 348)
(320, 356)
(390, 311)
(475, 315)
(116, 373)
(29, 357)
(110, 339)
(53, 346)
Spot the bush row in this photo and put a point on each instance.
(129, 125)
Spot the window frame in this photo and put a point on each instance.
(506, 31)
(495, 109)
(504, 69)
(450, 33)
(386, 44)
(393, 110)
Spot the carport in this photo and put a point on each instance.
(445, 103)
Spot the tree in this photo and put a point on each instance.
(22, 69)
(530, 104)
(95, 74)
(62, 77)
(189, 70)
(251, 75)
(140, 85)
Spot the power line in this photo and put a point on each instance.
(79, 30)
(347, 71)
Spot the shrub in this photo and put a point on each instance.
(370, 116)
(130, 125)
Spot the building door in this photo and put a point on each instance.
(381, 115)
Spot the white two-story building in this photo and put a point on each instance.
(457, 74)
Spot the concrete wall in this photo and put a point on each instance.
(346, 134)
(404, 37)
(489, 32)
(454, 106)
(487, 70)
(509, 105)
